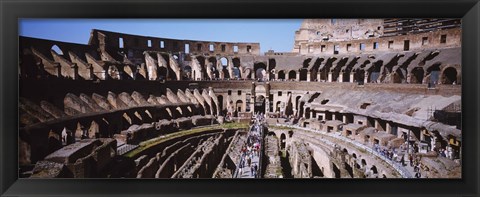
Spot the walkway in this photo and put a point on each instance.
(250, 162)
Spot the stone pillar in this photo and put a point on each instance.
(329, 76)
(58, 67)
(90, 72)
(352, 77)
(344, 119)
(340, 77)
(105, 71)
(75, 71)
(365, 79)
(298, 75)
(318, 75)
(308, 76)
(388, 128)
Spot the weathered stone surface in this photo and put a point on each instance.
(90, 102)
(101, 101)
(50, 169)
(73, 102)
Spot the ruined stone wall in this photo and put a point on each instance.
(106, 39)
(386, 44)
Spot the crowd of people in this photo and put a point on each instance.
(252, 148)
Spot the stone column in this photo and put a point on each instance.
(352, 77)
(388, 128)
(340, 77)
(329, 76)
(75, 71)
(105, 70)
(58, 67)
(318, 75)
(308, 76)
(90, 72)
(365, 79)
(298, 75)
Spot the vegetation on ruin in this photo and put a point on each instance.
(155, 141)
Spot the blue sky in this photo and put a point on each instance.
(276, 34)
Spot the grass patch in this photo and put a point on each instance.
(154, 141)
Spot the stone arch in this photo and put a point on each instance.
(292, 75)
(359, 76)
(236, 67)
(374, 71)
(225, 64)
(203, 71)
(416, 75)
(449, 75)
(281, 74)
(433, 72)
(260, 103)
(303, 74)
(187, 71)
(162, 73)
(239, 105)
(220, 104)
(261, 71)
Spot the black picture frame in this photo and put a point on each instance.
(11, 11)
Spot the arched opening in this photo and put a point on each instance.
(236, 67)
(281, 75)
(220, 104)
(224, 62)
(449, 76)
(374, 71)
(272, 63)
(187, 72)
(113, 72)
(359, 76)
(238, 105)
(201, 61)
(261, 74)
(57, 50)
(364, 163)
(260, 71)
(162, 73)
(417, 75)
(434, 73)
(303, 74)
(260, 104)
(213, 67)
(283, 141)
(277, 106)
(292, 75)
(374, 169)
